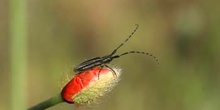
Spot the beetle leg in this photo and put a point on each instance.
(114, 73)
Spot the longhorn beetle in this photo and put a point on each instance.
(103, 61)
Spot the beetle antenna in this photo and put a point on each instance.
(125, 40)
(138, 52)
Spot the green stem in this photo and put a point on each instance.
(18, 45)
(48, 103)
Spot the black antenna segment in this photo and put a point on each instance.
(144, 53)
(137, 26)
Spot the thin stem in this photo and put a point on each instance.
(18, 57)
(48, 103)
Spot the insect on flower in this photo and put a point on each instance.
(103, 61)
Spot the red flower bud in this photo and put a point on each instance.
(86, 87)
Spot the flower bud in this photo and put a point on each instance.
(88, 86)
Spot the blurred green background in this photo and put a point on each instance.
(42, 40)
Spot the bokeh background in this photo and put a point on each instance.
(42, 40)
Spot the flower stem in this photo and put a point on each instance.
(48, 103)
(18, 53)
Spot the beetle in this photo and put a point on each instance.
(103, 61)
